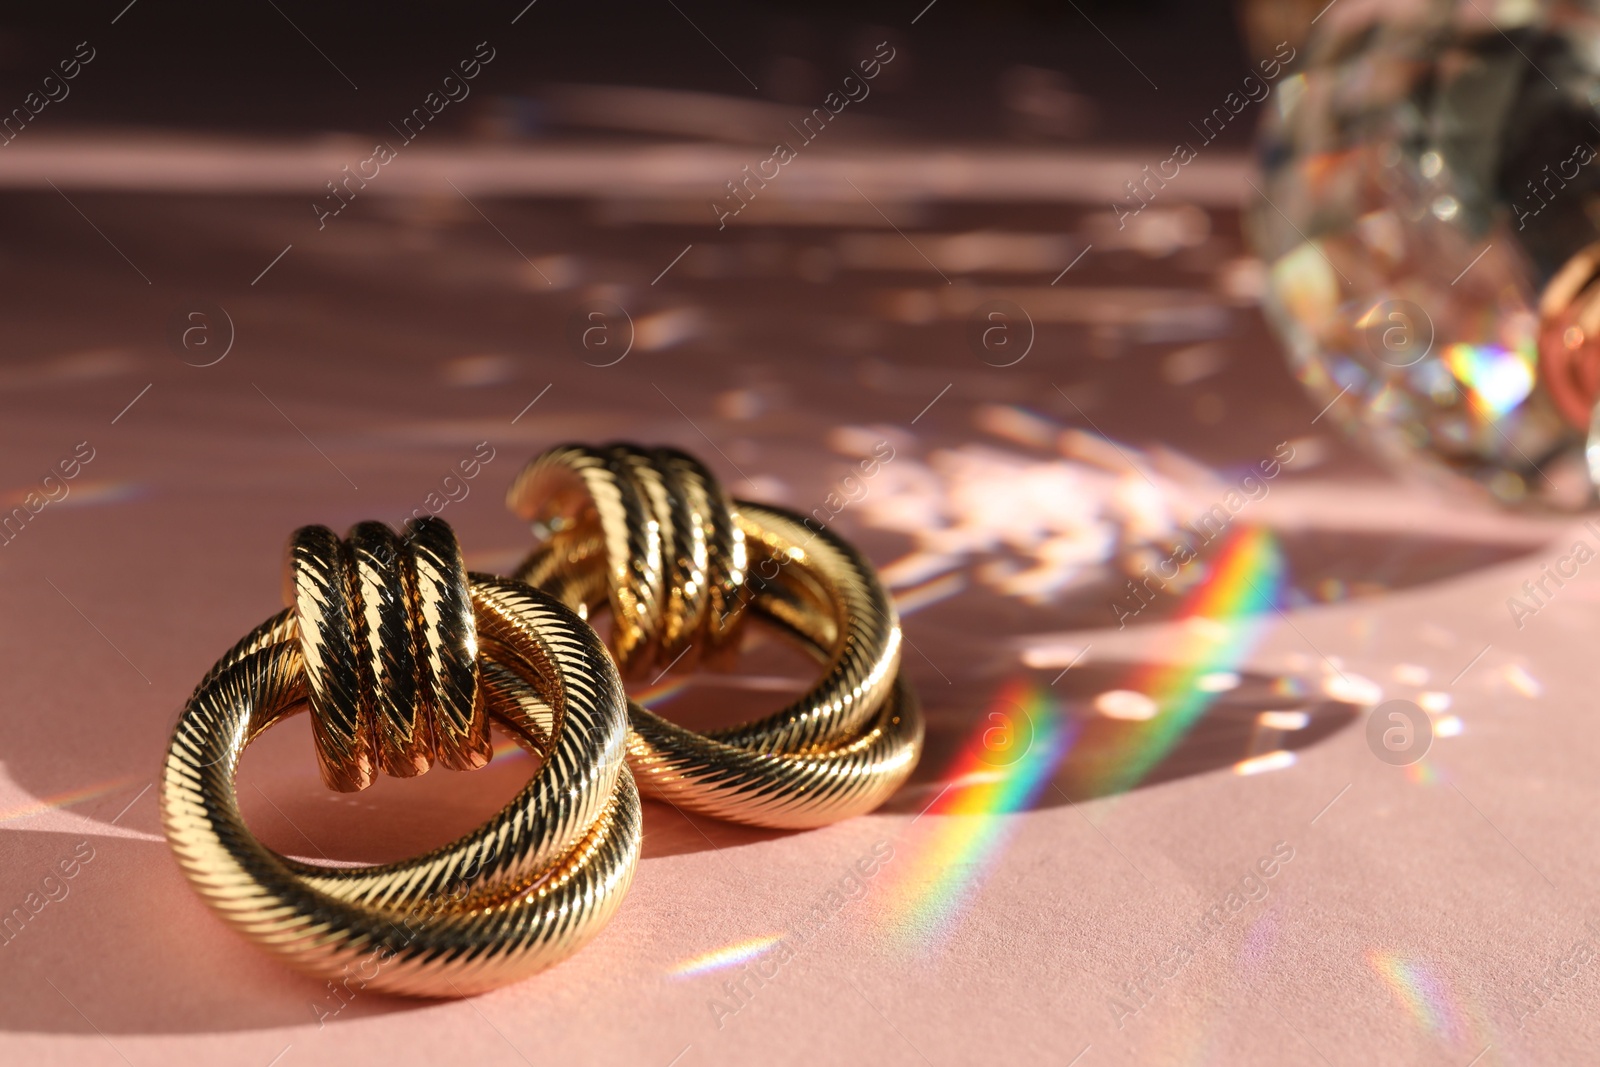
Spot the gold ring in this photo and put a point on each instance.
(651, 535)
(524, 890)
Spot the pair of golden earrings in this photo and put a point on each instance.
(404, 658)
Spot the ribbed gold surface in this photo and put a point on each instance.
(446, 645)
(386, 628)
(522, 891)
(650, 535)
(321, 586)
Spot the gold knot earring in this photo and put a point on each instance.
(650, 535)
(402, 658)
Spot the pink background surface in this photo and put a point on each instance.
(1415, 913)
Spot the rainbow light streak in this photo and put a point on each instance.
(1499, 378)
(507, 749)
(1002, 769)
(1421, 992)
(1422, 773)
(1221, 621)
(79, 494)
(67, 799)
(721, 958)
(661, 693)
(1259, 941)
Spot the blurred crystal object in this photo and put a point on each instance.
(1429, 177)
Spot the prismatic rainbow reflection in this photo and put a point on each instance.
(727, 956)
(1220, 622)
(1018, 746)
(1002, 768)
(1497, 378)
(67, 799)
(1424, 994)
(1423, 773)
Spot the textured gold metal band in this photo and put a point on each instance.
(522, 891)
(390, 647)
(653, 537)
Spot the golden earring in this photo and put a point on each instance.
(402, 658)
(651, 535)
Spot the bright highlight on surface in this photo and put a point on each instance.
(1348, 688)
(1043, 655)
(1523, 682)
(1217, 682)
(1433, 702)
(729, 956)
(1271, 761)
(1497, 378)
(1125, 704)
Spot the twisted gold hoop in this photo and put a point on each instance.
(652, 536)
(524, 890)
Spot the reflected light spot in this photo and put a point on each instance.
(741, 404)
(1217, 681)
(1045, 655)
(1352, 689)
(859, 442)
(1523, 682)
(909, 601)
(1449, 726)
(668, 328)
(1288, 686)
(472, 371)
(976, 778)
(1271, 761)
(1499, 378)
(1125, 704)
(1283, 720)
(1016, 424)
(1208, 629)
(1434, 702)
(551, 272)
(916, 567)
(1410, 674)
